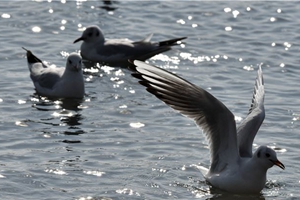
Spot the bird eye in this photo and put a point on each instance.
(90, 34)
(97, 33)
(70, 62)
(268, 155)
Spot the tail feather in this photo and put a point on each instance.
(31, 58)
(171, 42)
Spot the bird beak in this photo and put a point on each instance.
(77, 68)
(77, 40)
(279, 164)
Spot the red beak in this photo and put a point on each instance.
(279, 164)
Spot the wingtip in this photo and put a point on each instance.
(172, 42)
(25, 49)
(183, 38)
(260, 67)
(260, 73)
(258, 93)
(28, 53)
(30, 57)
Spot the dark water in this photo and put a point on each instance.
(120, 142)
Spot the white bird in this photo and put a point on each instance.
(117, 52)
(233, 166)
(55, 82)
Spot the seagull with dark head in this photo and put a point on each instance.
(117, 52)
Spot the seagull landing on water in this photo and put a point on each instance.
(55, 82)
(233, 166)
(117, 52)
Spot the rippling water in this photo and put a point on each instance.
(120, 142)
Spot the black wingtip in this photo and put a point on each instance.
(30, 57)
(25, 49)
(171, 42)
(28, 53)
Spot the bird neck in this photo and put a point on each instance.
(255, 166)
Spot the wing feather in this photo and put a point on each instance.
(209, 113)
(248, 128)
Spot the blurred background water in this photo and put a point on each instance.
(120, 142)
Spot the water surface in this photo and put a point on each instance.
(120, 142)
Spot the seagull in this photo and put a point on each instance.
(55, 82)
(234, 168)
(117, 52)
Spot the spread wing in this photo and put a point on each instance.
(209, 113)
(249, 127)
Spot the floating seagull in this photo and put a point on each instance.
(233, 166)
(49, 81)
(117, 52)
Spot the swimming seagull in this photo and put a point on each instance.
(233, 166)
(49, 81)
(117, 52)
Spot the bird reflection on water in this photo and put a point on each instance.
(108, 5)
(67, 110)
